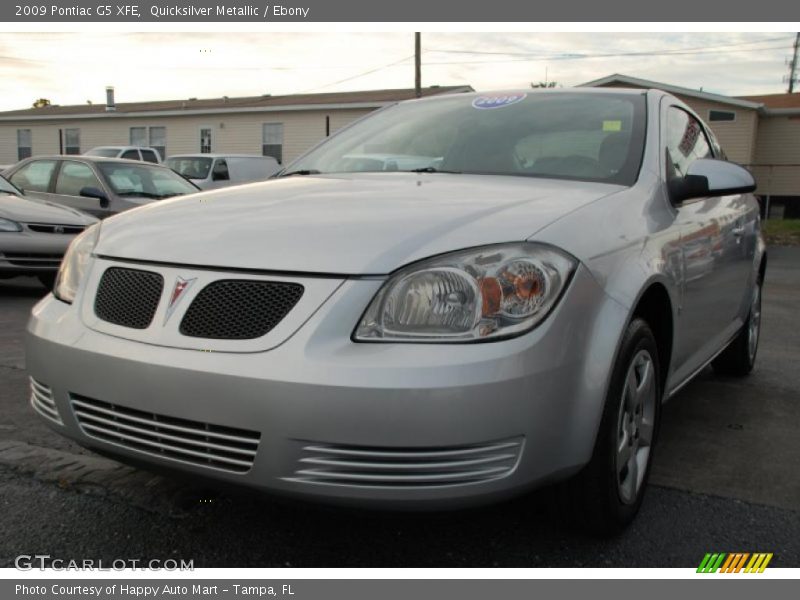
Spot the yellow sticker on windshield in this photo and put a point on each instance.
(612, 125)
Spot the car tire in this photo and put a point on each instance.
(606, 495)
(738, 358)
(48, 280)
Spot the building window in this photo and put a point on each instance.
(153, 137)
(24, 143)
(721, 115)
(272, 141)
(72, 141)
(205, 140)
(158, 140)
(138, 136)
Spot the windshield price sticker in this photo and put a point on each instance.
(488, 102)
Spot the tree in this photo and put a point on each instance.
(544, 84)
(41, 102)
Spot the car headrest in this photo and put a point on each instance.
(614, 151)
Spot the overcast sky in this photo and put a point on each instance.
(73, 68)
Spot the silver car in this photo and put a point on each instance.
(95, 184)
(34, 235)
(509, 314)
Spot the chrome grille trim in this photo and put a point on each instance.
(358, 466)
(42, 401)
(202, 444)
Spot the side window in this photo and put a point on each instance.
(130, 154)
(718, 151)
(35, 176)
(75, 176)
(149, 156)
(686, 142)
(220, 172)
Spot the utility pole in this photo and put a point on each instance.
(418, 64)
(793, 68)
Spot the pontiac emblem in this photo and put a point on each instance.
(178, 291)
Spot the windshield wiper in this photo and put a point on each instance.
(301, 172)
(431, 170)
(140, 194)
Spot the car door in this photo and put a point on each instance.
(74, 177)
(711, 286)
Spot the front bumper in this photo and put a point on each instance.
(384, 425)
(31, 253)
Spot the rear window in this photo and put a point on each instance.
(104, 152)
(191, 167)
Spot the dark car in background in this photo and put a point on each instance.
(96, 185)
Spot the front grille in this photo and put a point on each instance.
(21, 259)
(183, 440)
(128, 297)
(364, 466)
(235, 309)
(42, 401)
(59, 229)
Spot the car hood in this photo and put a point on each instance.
(30, 210)
(351, 224)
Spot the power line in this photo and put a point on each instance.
(365, 73)
(667, 51)
(554, 57)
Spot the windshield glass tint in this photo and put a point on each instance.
(104, 152)
(191, 167)
(583, 136)
(127, 179)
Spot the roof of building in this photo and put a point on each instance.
(672, 89)
(776, 101)
(368, 98)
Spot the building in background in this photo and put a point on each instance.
(760, 132)
(280, 126)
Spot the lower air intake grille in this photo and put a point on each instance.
(21, 259)
(42, 401)
(235, 309)
(188, 441)
(364, 466)
(128, 297)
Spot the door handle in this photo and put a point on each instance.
(738, 231)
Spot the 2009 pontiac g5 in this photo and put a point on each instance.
(452, 301)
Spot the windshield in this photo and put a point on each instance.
(104, 152)
(193, 167)
(582, 136)
(7, 187)
(141, 179)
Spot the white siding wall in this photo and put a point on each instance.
(237, 133)
(778, 144)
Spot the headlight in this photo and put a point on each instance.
(9, 225)
(74, 264)
(471, 295)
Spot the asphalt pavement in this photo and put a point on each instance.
(726, 478)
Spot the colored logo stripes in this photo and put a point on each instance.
(735, 562)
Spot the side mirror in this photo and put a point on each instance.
(711, 177)
(93, 192)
